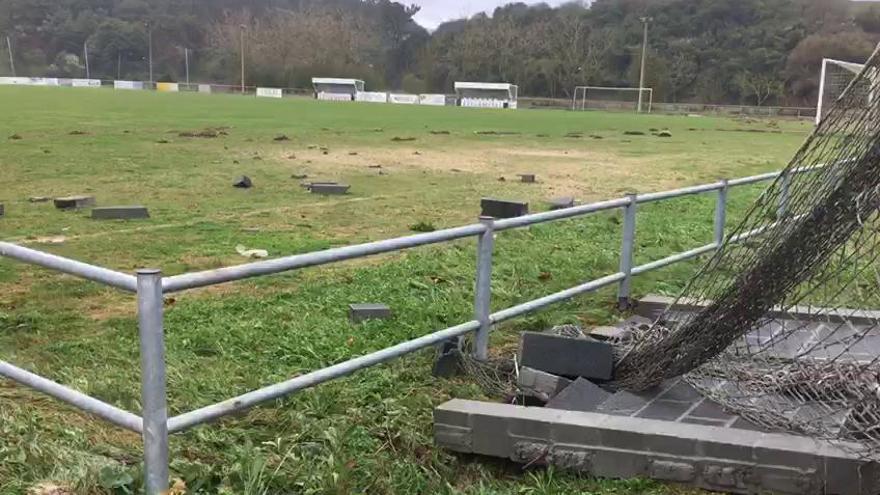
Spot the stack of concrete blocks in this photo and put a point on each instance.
(671, 433)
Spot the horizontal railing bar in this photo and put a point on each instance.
(753, 179)
(250, 399)
(527, 307)
(77, 399)
(548, 216)
(675, 193)
(83, 270)
(693, 253)
(268, 267)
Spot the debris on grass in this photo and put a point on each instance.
(664, 134)
(443, 133)
(15, 137)
(281, 137)
(251, 253)
(574, 135)
(352, 153)
(204, 133)
(38, 199)
(77, 132)
(398, 139)
(633, 133)
(243, 182)
(417, 153)
(291, 157)
(502, 179)
(496, 133)
(299, 176)
(374, 166)
(312, 146)
(596, 136)
(163, 141)
(422, 226)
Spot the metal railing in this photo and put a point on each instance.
(150, 286)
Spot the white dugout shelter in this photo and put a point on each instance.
(336, 89)
(486, 95)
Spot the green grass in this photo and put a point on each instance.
(370, 432)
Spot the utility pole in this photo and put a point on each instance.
(150, 49)
(11, 61)
(186, 62)
(86, 54)
(242, 57)
(645, 21)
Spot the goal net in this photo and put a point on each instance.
(611, 98)
(836, 77)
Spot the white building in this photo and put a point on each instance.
(336, 89)
(486, 95)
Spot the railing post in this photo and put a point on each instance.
(483, 290)
(626, 252)
(153, 398)
(783, 195)
(721, 214)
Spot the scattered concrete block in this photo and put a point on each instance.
(561, 203)
(527, 178)
(707, 457)
(243, 182)
(581, 395)
(329, 189)
(74, 202)
(2, 210)
(120, 213)
(587, 358)
(503, 209)
(38, 199)
(361, 312)
(540, 384)
(611, 334)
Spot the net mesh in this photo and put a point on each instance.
(768, 333)
(837, 77)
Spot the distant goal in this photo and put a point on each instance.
(612, 98)
(836, 76)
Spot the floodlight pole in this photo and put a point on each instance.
(150, 49)
(11, 61)
(242, 57)
(645, 21)
(86, 55)
(186, 63)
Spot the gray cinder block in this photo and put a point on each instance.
(527, 178)
(499, 208)
(74, 202)
(581, 395)
(330, 189)
(541, 384)
(120, 213)
(565, 356)
(361, 312)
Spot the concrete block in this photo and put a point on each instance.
(561, 203)
(2, 210)
(667, 410)
(120, 213)
(329, 189)
(625, 403)
(498, 208)
(709, 409)
(581, 395)
(568, 357)
(527, 178)
(679, 390)
(74, 202)
(361, 312)
(681, 472)
(541, 384)
(624, 447)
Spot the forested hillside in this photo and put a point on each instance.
(721, 51)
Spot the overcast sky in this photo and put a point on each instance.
(434, 12)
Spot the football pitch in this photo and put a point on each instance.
(410, 168)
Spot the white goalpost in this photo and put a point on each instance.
(835, 78)
(611, 98)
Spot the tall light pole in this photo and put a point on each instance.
(11, 61)
(150, 49)
(86, 55)
(186, 62)
(242, 57)
(645, 21)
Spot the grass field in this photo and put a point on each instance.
(369, 433)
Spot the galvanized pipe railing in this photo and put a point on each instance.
(150, 286)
